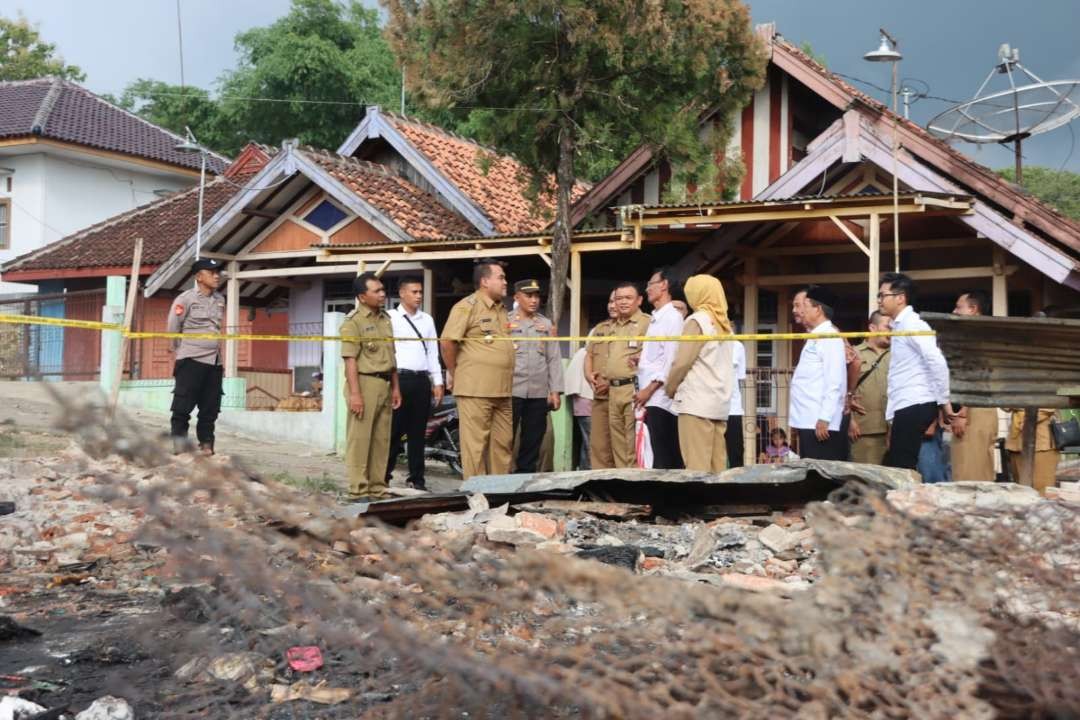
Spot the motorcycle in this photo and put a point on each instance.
(442, 442)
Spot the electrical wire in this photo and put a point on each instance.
(350, 103)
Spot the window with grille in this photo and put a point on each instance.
(5, 225)
(765, 379)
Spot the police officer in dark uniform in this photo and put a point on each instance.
(198, 370)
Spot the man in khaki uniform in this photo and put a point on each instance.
(974, 430)
(371, 389)
(600, 456)
(869, 429)
(481, 372)
(620, 369)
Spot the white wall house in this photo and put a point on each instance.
(69, 160)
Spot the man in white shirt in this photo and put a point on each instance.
(420, 378)
(918, 375)
(653, 370)
(820, 382)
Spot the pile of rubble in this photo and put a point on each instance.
(203, 591)
(755, 553)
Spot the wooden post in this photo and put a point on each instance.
(232, 318)
(575, 300)
(782, 350)
(429, 291)
(875, 262)
(129, 312)
(1001, 290)
(750, 327)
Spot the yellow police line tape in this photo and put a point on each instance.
(139, 335)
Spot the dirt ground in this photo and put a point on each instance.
(31, 408)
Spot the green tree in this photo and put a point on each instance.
(321, 50)
(570, 75)
(24, 55)
(1059, 188)
(175, 107)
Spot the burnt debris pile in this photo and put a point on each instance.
(239, 597)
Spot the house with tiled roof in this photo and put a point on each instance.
(274, 215)
(815, 205)
(395, 182)
(70, 159)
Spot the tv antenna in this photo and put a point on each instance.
(1029, 106)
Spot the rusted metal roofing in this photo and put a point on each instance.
(1009, 362)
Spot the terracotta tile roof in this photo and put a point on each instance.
(164, 225)
(415, 211)
(959, 167)
(60, 110)
(497, 183)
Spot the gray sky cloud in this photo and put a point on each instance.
(950, 44)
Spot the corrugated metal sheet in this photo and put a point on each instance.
(1009, 362)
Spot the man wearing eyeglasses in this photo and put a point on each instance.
(918, 375)
(654, 368)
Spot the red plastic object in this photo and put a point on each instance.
(304, 658)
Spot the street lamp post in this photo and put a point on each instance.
(887, 52)
(191, 145)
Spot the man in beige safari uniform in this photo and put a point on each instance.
(371, 389)
(479, 358)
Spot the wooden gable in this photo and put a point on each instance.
(293, 232)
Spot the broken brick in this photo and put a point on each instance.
(539, 523)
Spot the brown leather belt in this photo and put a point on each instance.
(619, 382)
(381, 375)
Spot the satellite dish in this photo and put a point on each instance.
(1028, 106)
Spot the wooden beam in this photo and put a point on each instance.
(873, 278)
(294, 271)
(285, 283)
(421, 255)
(1000, 284)
(225, 257)
(795, 213)
(277, 255)
(957, 273)
(232, 318)
(268, 214)
(846, 249)
(382, 268)
(850, 235)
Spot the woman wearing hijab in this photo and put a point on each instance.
(702, 377)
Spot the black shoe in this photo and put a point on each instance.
(415, 485)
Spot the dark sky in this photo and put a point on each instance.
(950, 44)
